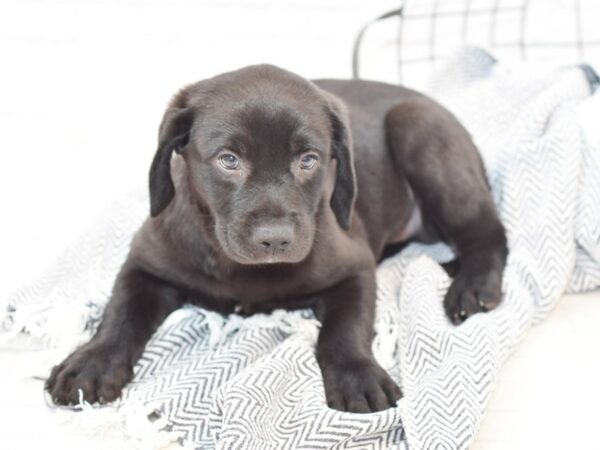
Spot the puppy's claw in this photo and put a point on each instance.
(93, 373)
(472, 293)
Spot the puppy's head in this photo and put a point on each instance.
(260, 145)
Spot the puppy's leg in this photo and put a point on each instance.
(353, 380)
(102, 367)
(444, 170)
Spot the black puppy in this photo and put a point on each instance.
(283, 196)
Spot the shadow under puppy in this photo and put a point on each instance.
(285, 193)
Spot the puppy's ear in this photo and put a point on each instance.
(174, 134)
(344, 192)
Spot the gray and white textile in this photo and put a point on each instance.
(209, 381)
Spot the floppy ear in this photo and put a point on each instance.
(344, 192)
(174, 134)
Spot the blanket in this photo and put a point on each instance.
(214, 382)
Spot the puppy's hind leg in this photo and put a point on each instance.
(445, 172)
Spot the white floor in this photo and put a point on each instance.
(548, 393)
(547, 396)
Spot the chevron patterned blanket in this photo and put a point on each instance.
(208, 381)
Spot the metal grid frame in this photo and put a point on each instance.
(465, 14)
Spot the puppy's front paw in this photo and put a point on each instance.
(99, 371)
(359, 387)
(472, 293)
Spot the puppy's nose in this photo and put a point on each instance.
(273, 237)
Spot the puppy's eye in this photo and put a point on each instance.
(308, 161)
(229, 161)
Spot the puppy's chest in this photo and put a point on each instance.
(264, 290)
(279, 285)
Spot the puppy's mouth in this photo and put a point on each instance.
(267, 259)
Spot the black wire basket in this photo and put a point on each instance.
(555, 32)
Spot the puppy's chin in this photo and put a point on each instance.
(266, 260)
(263, 259)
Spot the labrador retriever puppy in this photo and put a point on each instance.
(271, 191)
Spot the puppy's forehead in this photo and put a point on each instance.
(264, 106)
(278, 120)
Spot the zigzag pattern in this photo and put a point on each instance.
(254, 383)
